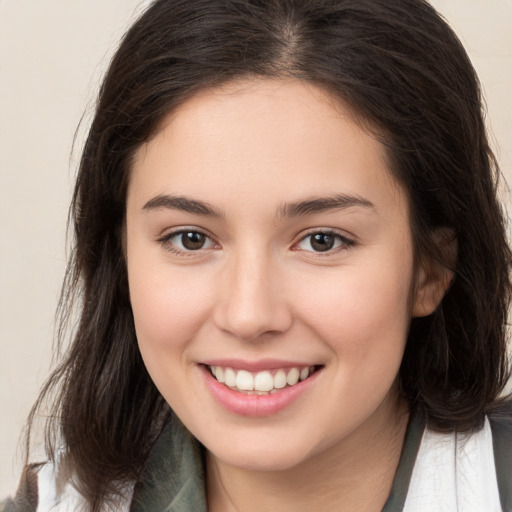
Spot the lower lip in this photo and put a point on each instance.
(256, 405)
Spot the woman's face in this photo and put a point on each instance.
(268, 243)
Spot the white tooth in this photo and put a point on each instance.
(304, 373)
(219, 373)
(244, 380)
(280, 379)
(263, 381)
(230, 378)
(293, 376)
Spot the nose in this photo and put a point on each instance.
(252, 301)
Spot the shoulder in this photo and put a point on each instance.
(465, 471)
(25, 499)
(501, 425)
(41, 490)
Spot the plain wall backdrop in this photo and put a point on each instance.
(52, 56)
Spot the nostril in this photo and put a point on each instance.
(249, 321)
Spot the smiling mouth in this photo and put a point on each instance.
(261, 383)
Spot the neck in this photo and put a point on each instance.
(335, 479)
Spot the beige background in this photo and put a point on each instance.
(52, 53)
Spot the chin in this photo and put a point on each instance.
(266, 457)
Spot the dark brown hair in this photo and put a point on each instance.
(401, 70)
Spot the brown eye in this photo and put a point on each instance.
(187, 241)
(322, 242)
(192, 240)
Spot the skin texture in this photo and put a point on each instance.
(257, 289)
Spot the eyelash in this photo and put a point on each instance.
(168, 246)
(344, 243)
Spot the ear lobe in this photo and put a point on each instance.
(434, 278)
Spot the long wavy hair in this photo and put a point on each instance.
(401, 70)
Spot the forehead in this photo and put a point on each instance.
(253, 139)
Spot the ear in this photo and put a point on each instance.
(434, 277)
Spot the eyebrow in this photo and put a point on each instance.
(315, 205)
(182, 204)
(309, 206)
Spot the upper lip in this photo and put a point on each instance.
(257, 366)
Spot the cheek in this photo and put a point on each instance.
(362, 311)
(169, 310)
(169, 306)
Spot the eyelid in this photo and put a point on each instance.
(347, 242)
(164, 240)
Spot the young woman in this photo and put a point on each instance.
(291, 270)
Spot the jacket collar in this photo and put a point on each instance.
(174, 477)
